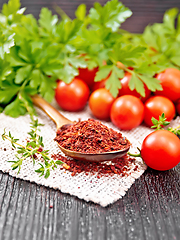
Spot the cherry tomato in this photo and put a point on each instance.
(160, 150)
(178, 107)
(73, 96)
(127, 112)
(155, 106)
(88, 75)
(170, 81)
(125, 90)
(100, 102)
(100, 84)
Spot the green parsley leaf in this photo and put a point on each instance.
(11, 7)
(103, 73)
(126, 53)
(22, 74)
(7, 94)
(164, 39)
(152, 83)
(5, 70)
(14, 58)
(169, 19)
(80, 13)
(67, 73)
(111, 15)
(15, 108)
(136, 83)
(46, 88)
(35, 79)
(113, 84)
(47, 21)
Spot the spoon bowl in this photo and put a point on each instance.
(62, 121)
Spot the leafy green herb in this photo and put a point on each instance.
(33, 148)
(164, 39)
(159, 123)
(175, 130)
(110, 16)
(34, 53)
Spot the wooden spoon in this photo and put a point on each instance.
(60, 121)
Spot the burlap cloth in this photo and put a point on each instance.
(103, 191)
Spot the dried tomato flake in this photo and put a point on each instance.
(119, 166)
(91, 136)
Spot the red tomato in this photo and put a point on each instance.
(100, 102)
(88, 75)
(160, 150)
(100, 84)
(73, 96)
(125, 90)
(178, 107)
(155, 106)
(127, 112)
(170, 81)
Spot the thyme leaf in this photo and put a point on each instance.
(33, 148)
(159, 123)
(175, 130)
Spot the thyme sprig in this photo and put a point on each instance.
(33, 148)
(161, 123)
(175, 130)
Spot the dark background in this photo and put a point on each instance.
(144, 11)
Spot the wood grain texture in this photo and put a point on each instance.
(149, 210)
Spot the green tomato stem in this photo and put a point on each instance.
(137, 154)
(134, 155)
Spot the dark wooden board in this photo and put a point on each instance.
(149, 210)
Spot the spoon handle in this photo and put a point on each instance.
(53, 113)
